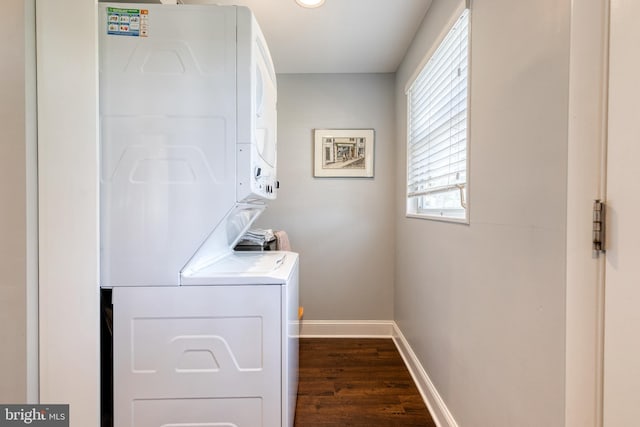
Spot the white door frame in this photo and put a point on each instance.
(67, 84)
(585, 182)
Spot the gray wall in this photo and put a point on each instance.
(18, 240)
(482, 305)
(343, 228)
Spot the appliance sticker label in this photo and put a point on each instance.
(127, 22)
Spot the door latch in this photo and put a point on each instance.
(599, 209)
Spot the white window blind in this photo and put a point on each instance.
(437, 129)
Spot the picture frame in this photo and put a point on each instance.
(343, 153)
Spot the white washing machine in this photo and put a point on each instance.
(220, 350)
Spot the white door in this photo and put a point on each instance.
(621, 404)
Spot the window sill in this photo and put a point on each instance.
(464, 221)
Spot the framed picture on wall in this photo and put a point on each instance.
(343, 153)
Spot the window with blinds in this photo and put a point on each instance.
(437, 130)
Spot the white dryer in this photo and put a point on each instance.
(187, 132)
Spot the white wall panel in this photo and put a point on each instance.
(13, 220)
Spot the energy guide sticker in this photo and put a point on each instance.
(127, 22)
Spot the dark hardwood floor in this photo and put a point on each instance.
(356, 382)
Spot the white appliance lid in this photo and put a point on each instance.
(224, 237)
(245, 268)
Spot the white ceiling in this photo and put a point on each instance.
(342, 36)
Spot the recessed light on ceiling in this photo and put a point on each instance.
(310, 3)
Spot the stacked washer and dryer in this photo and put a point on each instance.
(202, 335)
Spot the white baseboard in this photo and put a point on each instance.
(346, 328)
(439, 411)
(385, 329)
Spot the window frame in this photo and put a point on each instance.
(440, 214)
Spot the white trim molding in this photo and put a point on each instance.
(437, 407)
(385, 329)
(346, 329)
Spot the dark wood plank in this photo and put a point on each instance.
(356, 382)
